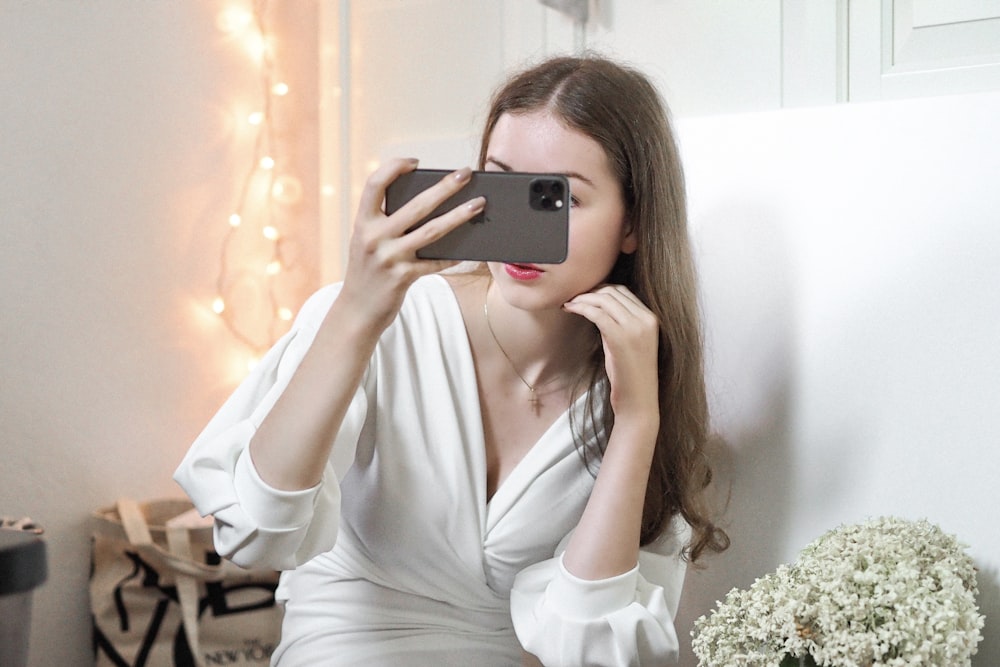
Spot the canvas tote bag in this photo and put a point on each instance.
(161, 596)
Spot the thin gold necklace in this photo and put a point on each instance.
(533, 398)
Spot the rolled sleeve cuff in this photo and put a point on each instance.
(584, 599)
(271, 508)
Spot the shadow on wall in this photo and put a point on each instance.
(748, 303)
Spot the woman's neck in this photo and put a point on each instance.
(545, 347)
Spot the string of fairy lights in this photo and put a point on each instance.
(252, 258)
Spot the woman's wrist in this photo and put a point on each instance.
(354, 319)
(639, 430)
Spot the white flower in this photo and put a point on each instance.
(889, 592)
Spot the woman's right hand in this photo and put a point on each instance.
(382, 261)
(291, 447)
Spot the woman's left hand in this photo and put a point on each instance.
(630, 336)
(606, 540)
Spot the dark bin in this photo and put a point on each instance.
(22, 569)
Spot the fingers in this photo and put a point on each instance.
(437, 227)
(383, 248)
(630, 334)
(625, 323)
(399, 230)
(426, 202)
(420, 206)
(374, 190)
(611, 304)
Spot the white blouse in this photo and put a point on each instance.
(397, 557)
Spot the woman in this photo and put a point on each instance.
(479, 468)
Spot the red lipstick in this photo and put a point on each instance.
(523, 272)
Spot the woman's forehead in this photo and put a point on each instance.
(541, 142)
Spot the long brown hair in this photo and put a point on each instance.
(619, 108)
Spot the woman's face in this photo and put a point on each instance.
(538, 142)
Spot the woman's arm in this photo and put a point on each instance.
(606, 541)
(628, 619)
(290, 448)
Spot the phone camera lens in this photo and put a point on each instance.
(547, 194)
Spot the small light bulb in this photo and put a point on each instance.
(257, 46)
(286, 189)
(267, 162)
(280, 89)
(273, 267)
(233, 20)
(285, 314)
(235, 219)
(270, 233)
(256, 118)
(218, 305)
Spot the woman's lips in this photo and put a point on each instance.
(523, 271)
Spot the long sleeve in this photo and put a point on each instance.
(624, 620)
(255, 524)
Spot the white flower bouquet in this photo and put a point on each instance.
(888, 592)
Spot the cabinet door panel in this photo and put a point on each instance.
(907, 48)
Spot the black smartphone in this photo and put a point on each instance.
(526, 219)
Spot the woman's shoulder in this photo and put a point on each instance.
(443, 291)
(437, 293)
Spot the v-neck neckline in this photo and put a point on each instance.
(494, 507)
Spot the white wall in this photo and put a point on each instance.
(118, 168)
(413, 79)
(850, 258)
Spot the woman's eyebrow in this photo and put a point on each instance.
(503, 166)
(568, 174)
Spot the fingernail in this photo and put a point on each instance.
(476, 205)
(463, 174)
(413, 161)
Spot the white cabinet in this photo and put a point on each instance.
(915, 48)
(724, 56)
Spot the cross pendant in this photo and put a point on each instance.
(535, 403)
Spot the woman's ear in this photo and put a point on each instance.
(630, 238)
